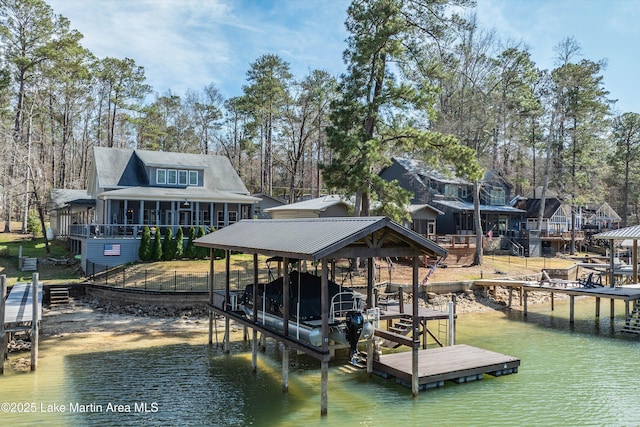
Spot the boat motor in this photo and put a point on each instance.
(355, 323)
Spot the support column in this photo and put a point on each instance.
(141, 212)
(211, 313)
(285, 368)
(324, 364)
(35, 320)
(612, 308)
(553, 305)
(415, 375)
(597, 306)
(227, 301)
(525, 302)
(571, 307)
(3, 342)
(285, 325)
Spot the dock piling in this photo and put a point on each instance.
(3, 341)
(35, 320)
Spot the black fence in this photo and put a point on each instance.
(134, 277)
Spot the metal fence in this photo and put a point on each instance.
(134, 277)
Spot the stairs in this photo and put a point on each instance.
(632, 325)
(28, 264)
(401, 327)
(58, 295)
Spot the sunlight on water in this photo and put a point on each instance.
(576, 375)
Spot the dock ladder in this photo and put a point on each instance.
(632, 325)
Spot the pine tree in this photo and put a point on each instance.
(179, 244)
(192, 251)
(156, 253)
(144, 253)
(168, 247)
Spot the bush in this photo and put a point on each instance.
(179, 244)
(33, 224)
(156, 252)
(168, 246)
(192, 250)
(144, 253)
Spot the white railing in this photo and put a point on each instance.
(108, 231)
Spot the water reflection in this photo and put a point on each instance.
(569, 376)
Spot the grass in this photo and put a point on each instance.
(10, 244)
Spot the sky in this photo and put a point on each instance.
(189, 44)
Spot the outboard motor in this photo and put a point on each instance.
(355, 323)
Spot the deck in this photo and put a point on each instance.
(459, 363)
(19, 305)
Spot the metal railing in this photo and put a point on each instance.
(107, 231)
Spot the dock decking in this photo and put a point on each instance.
(459, 363)
(18, 307)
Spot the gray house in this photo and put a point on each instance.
(129, 189)
(322, 207)
(453, 196)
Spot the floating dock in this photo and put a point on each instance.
(459, 363)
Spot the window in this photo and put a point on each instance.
(233, 217)
(450, 190)
(220, 222)
(161, 176)
(497, 196)
(172, 176)
(182, 177)
(463, 192)
(193, 177)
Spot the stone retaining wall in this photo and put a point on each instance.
(178, 300)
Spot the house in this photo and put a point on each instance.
(453, 196)
(423, 219)
(129, 189)
(266, 202)
(601, 217)
(321, 207)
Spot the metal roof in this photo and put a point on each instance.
(316, 238)
(632, 233)
(319, 204)
(467, 206)
(191, 194)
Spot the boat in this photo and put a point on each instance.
(349, 321)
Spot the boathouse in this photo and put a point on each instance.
(323, 241)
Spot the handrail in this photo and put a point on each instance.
(355, 303)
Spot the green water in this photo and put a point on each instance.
(581, 375)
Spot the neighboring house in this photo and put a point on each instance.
(69, 207)
(266, 202)
(454, 197)
(133, 188)
(322, 207)
(602, 217)
(423, 219)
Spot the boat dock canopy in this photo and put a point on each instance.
(316, 238)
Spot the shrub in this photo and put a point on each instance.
(168, 245)
(33, 224)
(192, 250)
(144, 253)
(179, 244)
(156, 252)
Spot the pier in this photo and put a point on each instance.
(21, 310)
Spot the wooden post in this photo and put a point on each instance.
(324, 364)
(612, 277)
(635, 261)
(626, 307)
(525, 303)
(597, 306)
(415, 375)
(571, 307)
(553, 306)
(452, 327)
(254, 351)
(35, 320)
(400, 300)
(227, 300)
(510, 295)
(285, 368)
(521, 292)
(613, 308)
(211, 314)
(3, 342)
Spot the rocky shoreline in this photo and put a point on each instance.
(90, 315)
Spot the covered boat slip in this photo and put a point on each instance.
(321, 241)
(18, 310)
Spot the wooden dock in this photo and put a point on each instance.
(21, 310)
(459, 363)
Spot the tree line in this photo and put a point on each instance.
(423, 80)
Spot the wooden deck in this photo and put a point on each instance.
(459, 363)
(19, 305)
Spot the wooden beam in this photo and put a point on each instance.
(227, 300)
(3, 341)
(211, 275)
(324, 364)
(415, 373)
(35, 320)
(364, 252)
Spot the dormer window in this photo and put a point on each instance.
(182, 177)
(172, 176)
(177, 177)
(161, 176)
(193, 177)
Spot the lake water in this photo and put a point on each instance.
(581, 375)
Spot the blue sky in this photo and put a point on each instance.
(191, 43)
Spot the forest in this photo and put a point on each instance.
(423, 80)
